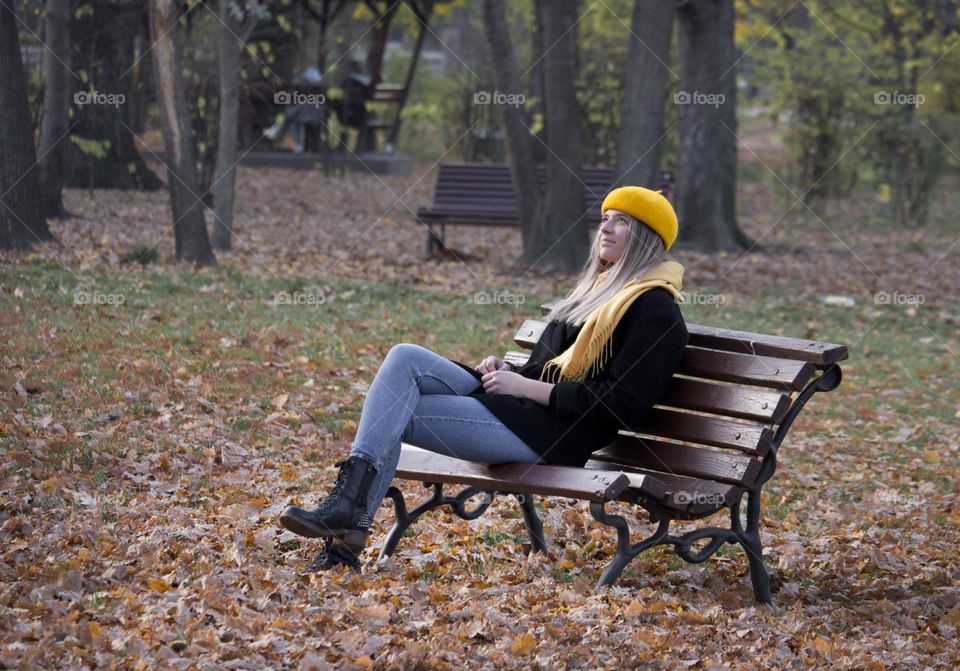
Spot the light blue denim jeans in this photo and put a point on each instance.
(420, 397)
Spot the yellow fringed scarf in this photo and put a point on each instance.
(594, 345)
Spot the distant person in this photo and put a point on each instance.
(297, 115)
(356, 85)
(607, 355)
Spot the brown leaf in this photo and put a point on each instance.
(524, 644)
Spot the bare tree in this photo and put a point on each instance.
(237, 19)
(564, 241)
(56, 106)
(21, 219)
(102, 152)
(515, 122)
(189, 229)
(708, 145)
(551, 213)
(644, 91)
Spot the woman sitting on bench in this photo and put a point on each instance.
(607, 354)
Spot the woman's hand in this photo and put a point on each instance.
(505, 382)
(515, 384)
(490, 364)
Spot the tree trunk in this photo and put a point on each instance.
(189, 229)
(561, 244)
(708, 123)
(423, 14)
(366, 136)
(644, 91)
(224, 185)
(515, 122)
(21, 219)
(141, 89)
(103, 34)
(56, 107)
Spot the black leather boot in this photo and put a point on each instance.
(336, 553)
(343, 514)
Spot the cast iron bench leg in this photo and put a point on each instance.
(753, 547)
(458, 503)
(435, 241)
(625, 550)
(749, 540)
(533, 523)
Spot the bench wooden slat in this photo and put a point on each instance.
(672, 458)
(786, 374)
(819, 353)
(759, 405)
(529, 333)
(745, 342)
(456, 221)
(516, 358)
(547, 480)
(746, 368)
(705, 430)
(497, 169)
(741, 402)
(687, 496)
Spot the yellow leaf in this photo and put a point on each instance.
(158, 585)
(633, 609)
(822, 645)
(524, 644)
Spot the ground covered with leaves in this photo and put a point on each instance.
(156, 420)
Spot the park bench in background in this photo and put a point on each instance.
(481, 194)
(711, 441)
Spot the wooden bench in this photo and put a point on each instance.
(481, 194)
(712, 440)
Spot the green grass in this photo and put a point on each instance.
(219, 334)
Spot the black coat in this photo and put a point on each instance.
(582, 417)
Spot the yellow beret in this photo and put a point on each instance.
(648, 206)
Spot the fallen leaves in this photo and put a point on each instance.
(138, 510)
(524, 644)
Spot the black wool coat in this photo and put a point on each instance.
(582, 417)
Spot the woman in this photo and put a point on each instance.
(604, 359)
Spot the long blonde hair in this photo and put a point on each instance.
(644, 249)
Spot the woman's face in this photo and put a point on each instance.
(614, 233)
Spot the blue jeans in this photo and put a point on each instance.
(420, 397)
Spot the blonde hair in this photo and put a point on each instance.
(644, 249)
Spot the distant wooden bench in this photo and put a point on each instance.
(481, 194)
(712, 439)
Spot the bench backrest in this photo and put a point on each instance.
(485, 191)
(718, 418)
